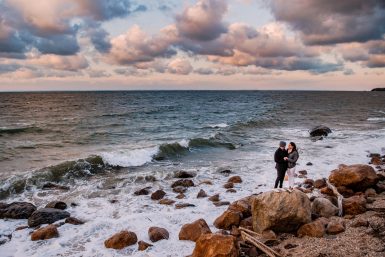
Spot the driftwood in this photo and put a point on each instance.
(339, 197)
(254, 238)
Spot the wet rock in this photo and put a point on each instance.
(235, 179)
(280, 211)
(224, 171)
(327, 191)
(45, 233)
(121, 240)
(335, 227)
(370, 192)
(221, 203)
(158, 194)
(46, 216)
(312, 229)
(155, 234)
(319, 183)
(73, 221)
(309, 164)
(231, 190)
(301, 176)
(302, 172)
(180, 196)
(380, 187)
(243, 206)
(16, 210)
(113, 201)
(357, 177)
(323, 208)
(183, 205)
(345, 192)
(206, 182)
(214, 198)
(184, 174)
(320, 131)
(183, 183)
(228, 219)
(143, 191)
(57, 205)
(309, 182)
(360, 222)
(354, 205)
(166, 201)
(179, 189)
(50, 185)
(216, 245)
(376, 160)
(193, 231)
(228, 185)
(201, 194)
(143, 245)
(21, 228)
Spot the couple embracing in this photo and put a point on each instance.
(286, 160)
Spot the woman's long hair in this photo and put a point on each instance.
(294, 146)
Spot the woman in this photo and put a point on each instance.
(291, 162)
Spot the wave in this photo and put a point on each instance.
(220, 125)
(64, 172)
(132, 158)
(18, 130)
(376, 119)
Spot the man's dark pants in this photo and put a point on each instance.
(280, 177)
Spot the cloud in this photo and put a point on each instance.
(204, 71)
(179, 66)
(330, 22)
(57, 62)
(203, 21)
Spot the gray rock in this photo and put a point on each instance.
(46, 216)
(17, 210)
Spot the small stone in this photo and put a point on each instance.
(193, 231)
(143, 191)
(360, 222)
(158, 194)
(183, 205)
(57, 205)
(309, 182)
(231, 190)
(113, 201)
(206, 182)
(335, 227)
(73, 221)
(319, 183)
(221, 203)
(235, 179)
(166, 201)
(214, 198)
(143, 245)
(21, 228)
(121, 240)
(201, 194)
(51, 185)
(155, 234)
(309, 164)
(228, 185)
(180, 196)
(179, 189)
(44, 233)
(302, 172)
(184, 174)
(370, 192)
(183, 182)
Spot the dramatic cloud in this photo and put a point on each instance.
(330, 22)
(68, 63)
(203, 21)
(180, 66)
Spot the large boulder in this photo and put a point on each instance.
(320, 131)
(243, 206)
(17, 210)
(216, 245)
(280, 211)
(357, 177)
(46, 216)
(193, 231)
(155, 234)
(228, 219)
(354, 205)
(120, 240)
(312, 229)
(44, 233)
(322, 207)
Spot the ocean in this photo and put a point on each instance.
(105, 145)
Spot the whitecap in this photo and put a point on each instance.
(130, 158)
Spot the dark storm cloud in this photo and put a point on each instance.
(330, 22)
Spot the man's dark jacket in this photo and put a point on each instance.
(281, 164)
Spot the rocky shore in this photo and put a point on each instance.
(342, 215)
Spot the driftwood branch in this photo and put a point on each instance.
(339, 197)
(257, 243)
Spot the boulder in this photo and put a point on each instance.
(46, 216)
(155, 234)
(143, 245)
(214, 198)
(201, 194)
(319, 183)
(57, 205)
(44, 233)
(183, 183)
(184, 174)
(121, 240)
(235, 179)
(280, 211)
(216, 245)
(354, 205)
(143, 191)
(312, 229)
(16, 210)
(194, 230)
(357, 177)
(322, 207)
(73, 221)
(158, 194)
(335, 227)
(228, 219)
(320, 131)
(243, 206)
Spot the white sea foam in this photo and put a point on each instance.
(220, 125)
(130, 158)
(376, 119)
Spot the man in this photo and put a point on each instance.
(281, 163)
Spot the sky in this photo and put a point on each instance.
(192, 44)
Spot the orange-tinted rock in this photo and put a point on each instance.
(155, 234)
(246, 223)
(376, 160)
(227, 219)
(216, 245)
(183, 205)
(235, 179)
(346, 192)
(73, 221)
(120, 240)
(143, 245)
(44, 233)
(354, 205)
(357, 177)
(183, 183)
(201, 194)
(166, 201)
(214, 198)
(319, 183)
(243, 206)
(335, 227)
(180, 196)
(228, 185)
(312, 229)
(194, 230)
(158, 194)
(327, 191)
